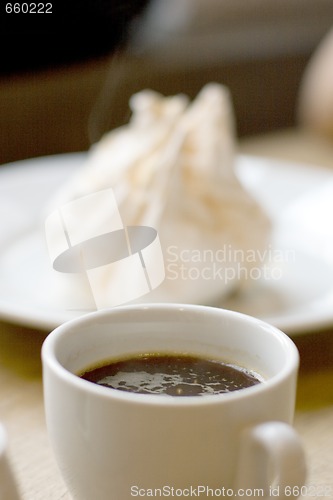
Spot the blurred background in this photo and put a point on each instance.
(65, 80)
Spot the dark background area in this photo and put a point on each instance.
(66, 79)
(75, 31)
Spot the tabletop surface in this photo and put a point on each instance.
(21, 393)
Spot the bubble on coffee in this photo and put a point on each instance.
(172, 375)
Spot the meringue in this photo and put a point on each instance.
(172, 168)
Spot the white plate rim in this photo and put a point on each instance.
(292, 323)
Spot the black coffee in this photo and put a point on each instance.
(171, 375)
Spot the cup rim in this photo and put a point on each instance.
(49, 358)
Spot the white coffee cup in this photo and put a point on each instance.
(8, 488)
(115, 445)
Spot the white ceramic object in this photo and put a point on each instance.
(114, 445)
(297, 197)
(8, 489)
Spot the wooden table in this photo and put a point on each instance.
(21, 398)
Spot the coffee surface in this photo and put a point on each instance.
(171, 375)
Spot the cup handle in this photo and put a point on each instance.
(272, 459)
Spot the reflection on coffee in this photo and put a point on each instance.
(171, 375)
